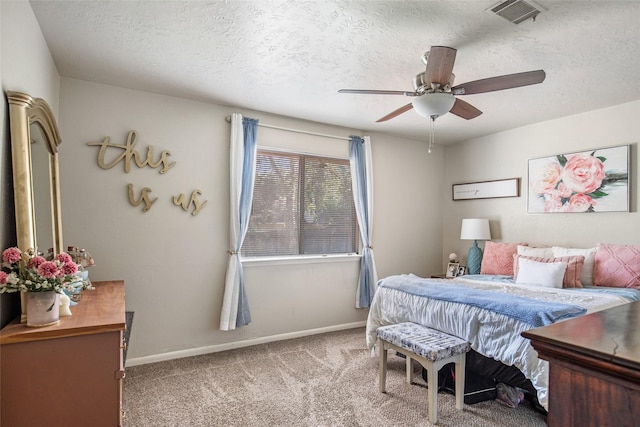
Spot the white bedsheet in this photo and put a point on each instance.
(491, 334)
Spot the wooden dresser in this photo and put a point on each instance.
(68, 374)
(594, 367)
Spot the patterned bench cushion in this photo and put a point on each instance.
(426, 342)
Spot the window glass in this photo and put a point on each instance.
(302, 205)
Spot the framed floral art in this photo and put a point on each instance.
(585, 181)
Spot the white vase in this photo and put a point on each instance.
(43, 308)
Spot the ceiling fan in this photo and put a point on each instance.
(434, 93)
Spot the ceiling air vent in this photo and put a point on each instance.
(517, 11)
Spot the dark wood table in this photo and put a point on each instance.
(594, 367)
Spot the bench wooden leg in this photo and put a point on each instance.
(382, 366)
(460, 367)
(432, 392)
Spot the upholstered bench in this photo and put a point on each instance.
(432, 349)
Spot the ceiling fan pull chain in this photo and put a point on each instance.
(432, 134)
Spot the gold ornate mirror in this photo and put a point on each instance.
(36, 186)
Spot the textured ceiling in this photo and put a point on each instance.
(291, 57)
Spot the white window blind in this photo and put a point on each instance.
(302, 205)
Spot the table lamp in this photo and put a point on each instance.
(475, 229)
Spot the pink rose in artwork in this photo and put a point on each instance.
(547, 178)
(11, 255)
(564, 190)
(48, 270)
(583, 173)
(553, 201)
(3, 278)
(580, 203)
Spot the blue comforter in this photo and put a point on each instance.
(532, 312)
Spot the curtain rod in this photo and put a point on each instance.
(228, 119)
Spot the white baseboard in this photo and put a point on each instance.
(238, 344)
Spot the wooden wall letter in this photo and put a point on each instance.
(128, 152)
(144, 197)
(195, 201)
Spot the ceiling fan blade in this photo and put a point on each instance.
(377, 92)
(492, 84)
(465, 110)
(440, 64)
(396, 113)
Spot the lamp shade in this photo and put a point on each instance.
(433, 104)
(475, 229)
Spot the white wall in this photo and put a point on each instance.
(174, 263)
(26, 65)
(505, 155)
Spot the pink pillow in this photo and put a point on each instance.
(498, 258)
(617, 266)
(571, 275)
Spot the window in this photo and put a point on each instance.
(302, 205)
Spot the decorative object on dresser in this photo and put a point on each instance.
(71, 372)
(83, 258)
(42, 282)
(43, 308)
(475, 229)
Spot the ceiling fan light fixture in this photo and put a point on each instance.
(433, 94)
(433, 105)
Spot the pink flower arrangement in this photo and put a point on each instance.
(571, 184)
(33, 273)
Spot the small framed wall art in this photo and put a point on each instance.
(487, 189)
(594, 180)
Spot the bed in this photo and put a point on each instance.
(490, 311)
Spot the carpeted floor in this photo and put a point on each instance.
(322, 380)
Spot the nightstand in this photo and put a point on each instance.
(440, 276)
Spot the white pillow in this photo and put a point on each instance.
(589, 255)
(535, 252)
(547, 274)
